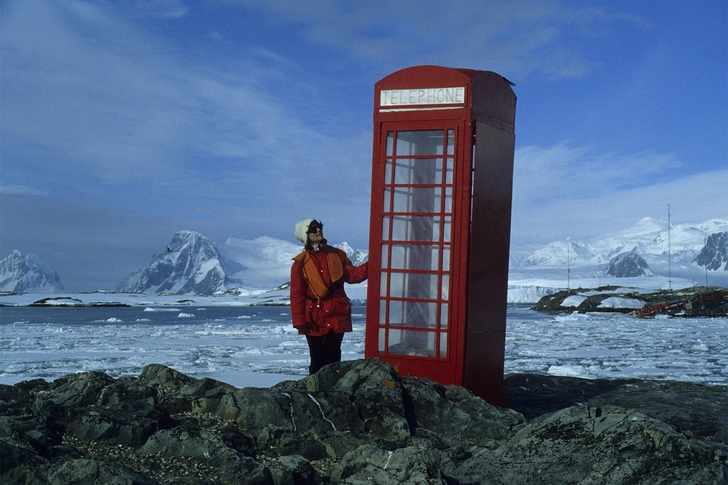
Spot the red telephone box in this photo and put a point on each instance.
(440, 226)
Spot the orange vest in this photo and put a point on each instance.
(313, 275)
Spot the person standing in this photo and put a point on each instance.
(320, 309)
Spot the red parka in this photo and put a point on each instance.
(314, 314)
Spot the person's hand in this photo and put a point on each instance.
(302, 329)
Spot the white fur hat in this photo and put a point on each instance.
(301, 231)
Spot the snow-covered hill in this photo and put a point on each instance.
(264, 262)
(20, 274)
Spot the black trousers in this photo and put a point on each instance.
(324, 350)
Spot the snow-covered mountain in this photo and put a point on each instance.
(191, 265)
(628, 265)
(19, 274)
(686, 255)
(649, 238)
(195, 265)
(715, 253)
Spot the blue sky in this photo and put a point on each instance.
(122, 122)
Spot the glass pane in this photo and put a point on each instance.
(448, 200)
(448, 174)
(417, 199)
(399, 258)
(415, 256)
(416, 228)
(445, 295)
(443, 346)
(383, 313)
(426, 142)
(420, 314)
(439, 166)
(385, 256)
(446, 258)
(381, 343)
(422, 286)
(450, 142)
(408, 171)
(385, 228)
(383, 284)
(388, 171)
(386, 206)
(396, 313)
(443, 316)
(411, 342)
(396, 285)
(390, 143)
(402, 171)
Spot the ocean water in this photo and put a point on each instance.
(256, 345)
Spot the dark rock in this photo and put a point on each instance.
(128, 423)
(451, 412)
(294, 470)
(248, 471)
(77, 390)
(628, 265)
(366, 397)
(184, 442)
(84, 471)
(370, 464)
(698, 301)
(358, 422)
(596, 445)
(693, 409)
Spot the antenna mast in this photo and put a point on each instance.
(568, 265)
(600, 272)
(705, 259)
(669, 251)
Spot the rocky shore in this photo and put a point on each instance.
(701, 301)
(358, 422)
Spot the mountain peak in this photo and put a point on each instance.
(190, 265)
(715, 252)
(629, 264)
(20, 274)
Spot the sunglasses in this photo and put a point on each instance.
(314, 226)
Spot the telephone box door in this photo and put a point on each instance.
(418, 171)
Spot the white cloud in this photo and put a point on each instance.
(162, 8)
(514, 38)
(124, 105)
(565, 171)
(19, 190)
(566, 191)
